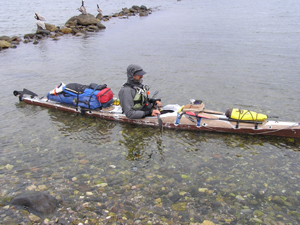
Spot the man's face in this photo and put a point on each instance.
(138, 78)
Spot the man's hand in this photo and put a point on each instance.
(155, 112)
(158, 103)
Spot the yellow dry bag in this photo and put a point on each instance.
(242, 114)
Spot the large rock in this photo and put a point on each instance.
(29, 36)
(50, 27)
(100, 25)
(36, 202)
(143, 13)
(4, 44)
(15, 38)
(43, 32)
(4, 38)
(66, 30)
(144, 8)
(84, 20)
(71, 22)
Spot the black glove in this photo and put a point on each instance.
(153, 100)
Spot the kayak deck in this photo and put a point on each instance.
(206, 120)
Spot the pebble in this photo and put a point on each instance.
(239, 197)
(246, 211)
(34, 218)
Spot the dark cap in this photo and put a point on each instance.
(134, 69)
(140, 72)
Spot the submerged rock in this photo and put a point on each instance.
(34, 218)
(207, 222)
(37, 202)
(181, 206)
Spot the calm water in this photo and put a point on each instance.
(229, 54)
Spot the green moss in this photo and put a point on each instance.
(181, 206)
(258, 213)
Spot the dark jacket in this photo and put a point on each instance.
(127, 94)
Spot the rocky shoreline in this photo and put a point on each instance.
(76, 25)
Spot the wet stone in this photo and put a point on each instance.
(4, 38)
(15, 42)
(83, 188)
(181, 206)
(216, 205)
(43, 32)
(128, 214)
(115, 209)
(120, 191)
(175, 197)
(34, 218)
(37, 202)
(246, 211)
(4, 44)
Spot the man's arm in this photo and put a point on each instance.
(126, 96)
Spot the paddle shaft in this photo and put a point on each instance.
(159, 121)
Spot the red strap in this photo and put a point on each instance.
(55, 91)
(193, 114)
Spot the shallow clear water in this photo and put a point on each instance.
(234, 54)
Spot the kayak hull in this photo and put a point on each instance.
(208, 120)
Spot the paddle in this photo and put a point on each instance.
(159, 121)
(158, 116)
(155, 93)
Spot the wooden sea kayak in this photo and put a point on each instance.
(172, 117)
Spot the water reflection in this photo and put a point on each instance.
(142, 143)
(88, 129)
(232, 142)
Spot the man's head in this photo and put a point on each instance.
(135, 73)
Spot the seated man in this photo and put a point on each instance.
(133, 95)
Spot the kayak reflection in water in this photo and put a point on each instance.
(143, 144)
(133, 95)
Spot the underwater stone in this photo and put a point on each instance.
(38, 202)
(256, 220)
(181, 206)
